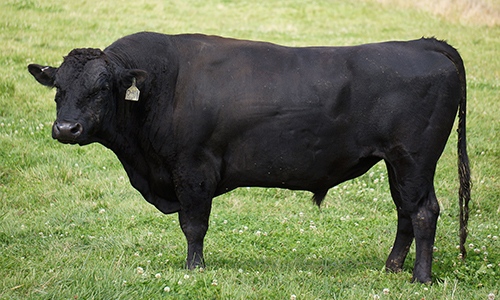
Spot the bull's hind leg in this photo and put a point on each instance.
(404, 235)
(424, 221)
(418, 210)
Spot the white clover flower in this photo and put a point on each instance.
(102, 211)
(435, 249)
(186, 276)
(225, 222)
(214, 282)
(471, 246)
(158, 276)
(160, 254)
(491, 296)
(257, 233)
(483, 248)
(166, 289)
(477, 251)
(240, 231)
(495, 237)
(179, 282)
(386, 291)
(293, 297)
(140, 270)
(376, 297)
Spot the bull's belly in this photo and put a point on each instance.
(312, 173)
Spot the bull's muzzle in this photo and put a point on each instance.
(66, 132)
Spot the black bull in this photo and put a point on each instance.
(215, 114)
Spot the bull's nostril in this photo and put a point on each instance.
(56, 128)
(76, 129)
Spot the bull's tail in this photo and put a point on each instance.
(463, 158)
(463, 162)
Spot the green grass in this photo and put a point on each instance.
(72, 227)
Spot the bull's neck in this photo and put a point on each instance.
(142, 126)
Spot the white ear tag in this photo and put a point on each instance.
(132, 93)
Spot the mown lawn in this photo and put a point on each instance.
(72, 227)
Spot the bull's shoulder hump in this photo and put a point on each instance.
(143, 42)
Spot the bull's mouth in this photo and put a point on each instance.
(71, 142)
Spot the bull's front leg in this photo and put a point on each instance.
(195, 190)
(194, 225)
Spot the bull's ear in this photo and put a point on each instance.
(43, 74)
(127, 76)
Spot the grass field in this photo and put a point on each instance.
(72, 227)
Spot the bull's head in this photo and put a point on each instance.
(88, 86)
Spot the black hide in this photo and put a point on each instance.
(215, 114)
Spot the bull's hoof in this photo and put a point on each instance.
(427, 281)
(195, 265)
(393, 269)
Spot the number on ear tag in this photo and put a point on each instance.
(133, 92)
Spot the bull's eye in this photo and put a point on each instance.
(59, 94)
(101, 90)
